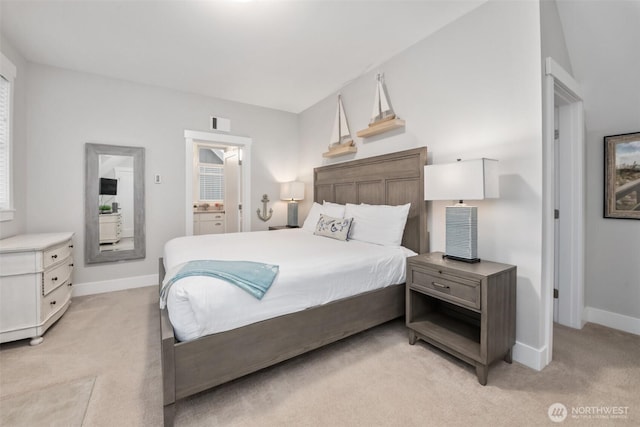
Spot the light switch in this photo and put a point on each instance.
(157, 179)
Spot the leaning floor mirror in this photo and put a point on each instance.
(114, 203)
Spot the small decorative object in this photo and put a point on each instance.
(622, 176)
(341, 141)
(104, 209)
(383, 118)
(468, 180)
(292, 191)
(264, 216)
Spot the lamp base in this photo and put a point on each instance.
(462, 232)
(457, 258)
(292, 214)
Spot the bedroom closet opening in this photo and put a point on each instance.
(217, 183)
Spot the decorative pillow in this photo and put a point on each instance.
(336, 228)
(379, 224)
(333, 209)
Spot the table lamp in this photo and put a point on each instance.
(462, 180)
(292, 192)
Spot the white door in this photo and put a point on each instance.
(124, 175)
(232, 191)
(556, 222)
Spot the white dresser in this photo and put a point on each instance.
(110, 228)
(211, 222)
(35, 284)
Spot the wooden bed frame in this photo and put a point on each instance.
(193, 366)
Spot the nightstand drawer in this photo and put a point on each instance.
(457, 290)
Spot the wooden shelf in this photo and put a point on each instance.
(340, 151)
(380, 128)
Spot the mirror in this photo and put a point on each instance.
(114, 203)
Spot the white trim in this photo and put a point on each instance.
(534, 358)
(612, 320)
(243, 142)
(558, 82)
(9, 72)
(92, 288)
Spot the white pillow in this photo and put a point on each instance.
(379, 224)
(333, 209)
(312, 218)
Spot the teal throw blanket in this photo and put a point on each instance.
(252, 277)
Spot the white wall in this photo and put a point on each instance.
(471, 90)
(602, 38)
(19, 135)
(66, 109)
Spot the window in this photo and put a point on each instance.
(7, 75)
(210, 172)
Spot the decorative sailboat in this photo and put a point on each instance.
(341, 141)
(383, 118)
(381, 109)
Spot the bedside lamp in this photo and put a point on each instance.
(292, 191)
(462, 180)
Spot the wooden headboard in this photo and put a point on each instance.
(390, 179)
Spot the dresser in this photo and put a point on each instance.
(110, 228)
(208, 222)
(35, 284)
(467, 310)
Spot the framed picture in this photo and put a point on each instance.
(622, 176)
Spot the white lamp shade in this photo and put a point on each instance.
(292, 190)
(464, 180)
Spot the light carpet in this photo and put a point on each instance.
(61, 405)
(371, 379)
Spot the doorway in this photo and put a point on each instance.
(563, 205)
(237, 157)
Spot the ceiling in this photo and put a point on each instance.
(286, 55)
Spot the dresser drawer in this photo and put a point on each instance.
(56, 254)
(56, 276)
(446, 287)
(210, 216)
(55, 301)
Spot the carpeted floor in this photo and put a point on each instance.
(372, 379)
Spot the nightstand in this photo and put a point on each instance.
(467, 310)
(282, 227)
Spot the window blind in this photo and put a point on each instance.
(211, 183)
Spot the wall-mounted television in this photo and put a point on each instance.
(108, 186)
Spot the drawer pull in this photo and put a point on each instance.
(54, 256)
(52, 303)
(53, 279)
(70, 265)
(440, 285)
(70, 284)
(71, 246)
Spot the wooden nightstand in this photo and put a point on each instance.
(467, 310)
(282, 227)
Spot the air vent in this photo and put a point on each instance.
(219, 123)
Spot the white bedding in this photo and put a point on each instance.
(314, 270)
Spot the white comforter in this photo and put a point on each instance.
(314, 270)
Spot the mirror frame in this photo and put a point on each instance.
(92, 253)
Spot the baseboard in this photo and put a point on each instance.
(534, 358)
(91, 288)
(612, 320)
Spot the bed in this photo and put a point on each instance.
(192, 366)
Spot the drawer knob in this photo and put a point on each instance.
(54, 256)
(53, 279)
(70, 284)
(70, 265)
(52, 303)
(71, 246)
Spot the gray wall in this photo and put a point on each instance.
(471, 90)
(66, 109)
(19, 135)
(602, 38)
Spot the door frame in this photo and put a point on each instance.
(559, 83)
(192, 137)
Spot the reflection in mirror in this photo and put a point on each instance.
(114, 203)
